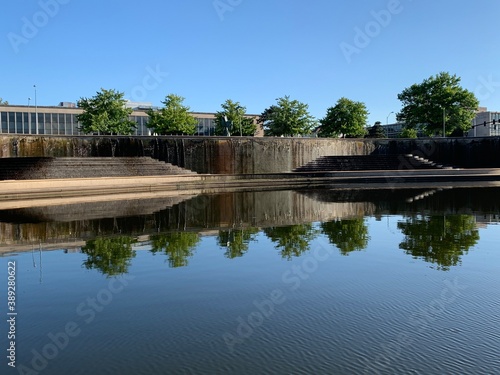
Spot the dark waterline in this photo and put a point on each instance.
(290, 282)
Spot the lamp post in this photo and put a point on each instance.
(444, 120)
(387, 123)
(36, 112)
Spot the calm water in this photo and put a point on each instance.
(288, 282)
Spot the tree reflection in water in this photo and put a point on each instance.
(292, 240)
(178, 246)
(110, 255)
(348, 235)
(439, 239)
(236, 241)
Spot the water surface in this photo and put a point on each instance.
(285, 282)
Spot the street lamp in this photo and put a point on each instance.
(36, 112)
(387, 119)
(387, 123)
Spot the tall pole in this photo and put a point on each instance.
(444, 122)
(387, 123)
(36, 112)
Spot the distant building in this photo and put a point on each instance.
(61, 120)
(394, 130)
(485, 124)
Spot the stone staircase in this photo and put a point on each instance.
(25, 168)
(369, 162)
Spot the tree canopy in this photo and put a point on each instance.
(408, 132)
(105, 113)
(347, 118)
(110, 255)
(232, 115)
(3, 102)
(376, 131)
(178, 246)
(236, 241)
(438, 98)
(292, 240)
(439, 239)
(348, 235)
(287, 118)
(174, 118)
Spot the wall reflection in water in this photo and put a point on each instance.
(438, 226)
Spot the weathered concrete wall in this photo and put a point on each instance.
(200, 154)
(462, 152)
(236, 155)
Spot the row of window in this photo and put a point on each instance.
(67, 124)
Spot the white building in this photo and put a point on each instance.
(485, 124)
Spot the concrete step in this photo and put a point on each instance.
(46, 168)
(367, 162)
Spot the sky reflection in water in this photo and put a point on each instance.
(325, 281)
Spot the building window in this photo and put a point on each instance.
(41, 124)
(62, 124)
(33, 123)
(69, 125)
(5, 127)
(26, 127)
(47, 123)
(12, 122)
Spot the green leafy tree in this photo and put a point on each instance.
(233, 115)
(174, 118)
(236, 241)
(346, 119)
(292, 240)
(408, 132)
(3, 102)
(376, 131)
(288, 118)
(436, 98)
(178, 246)
(105, 113)
(348, 235)
(110, 255)
(439, 239)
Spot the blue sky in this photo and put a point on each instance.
(249, 51)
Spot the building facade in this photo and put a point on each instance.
(485, 124)
(62, 120)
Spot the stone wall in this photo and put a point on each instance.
(219, 155)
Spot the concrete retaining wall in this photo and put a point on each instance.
(218, 155)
